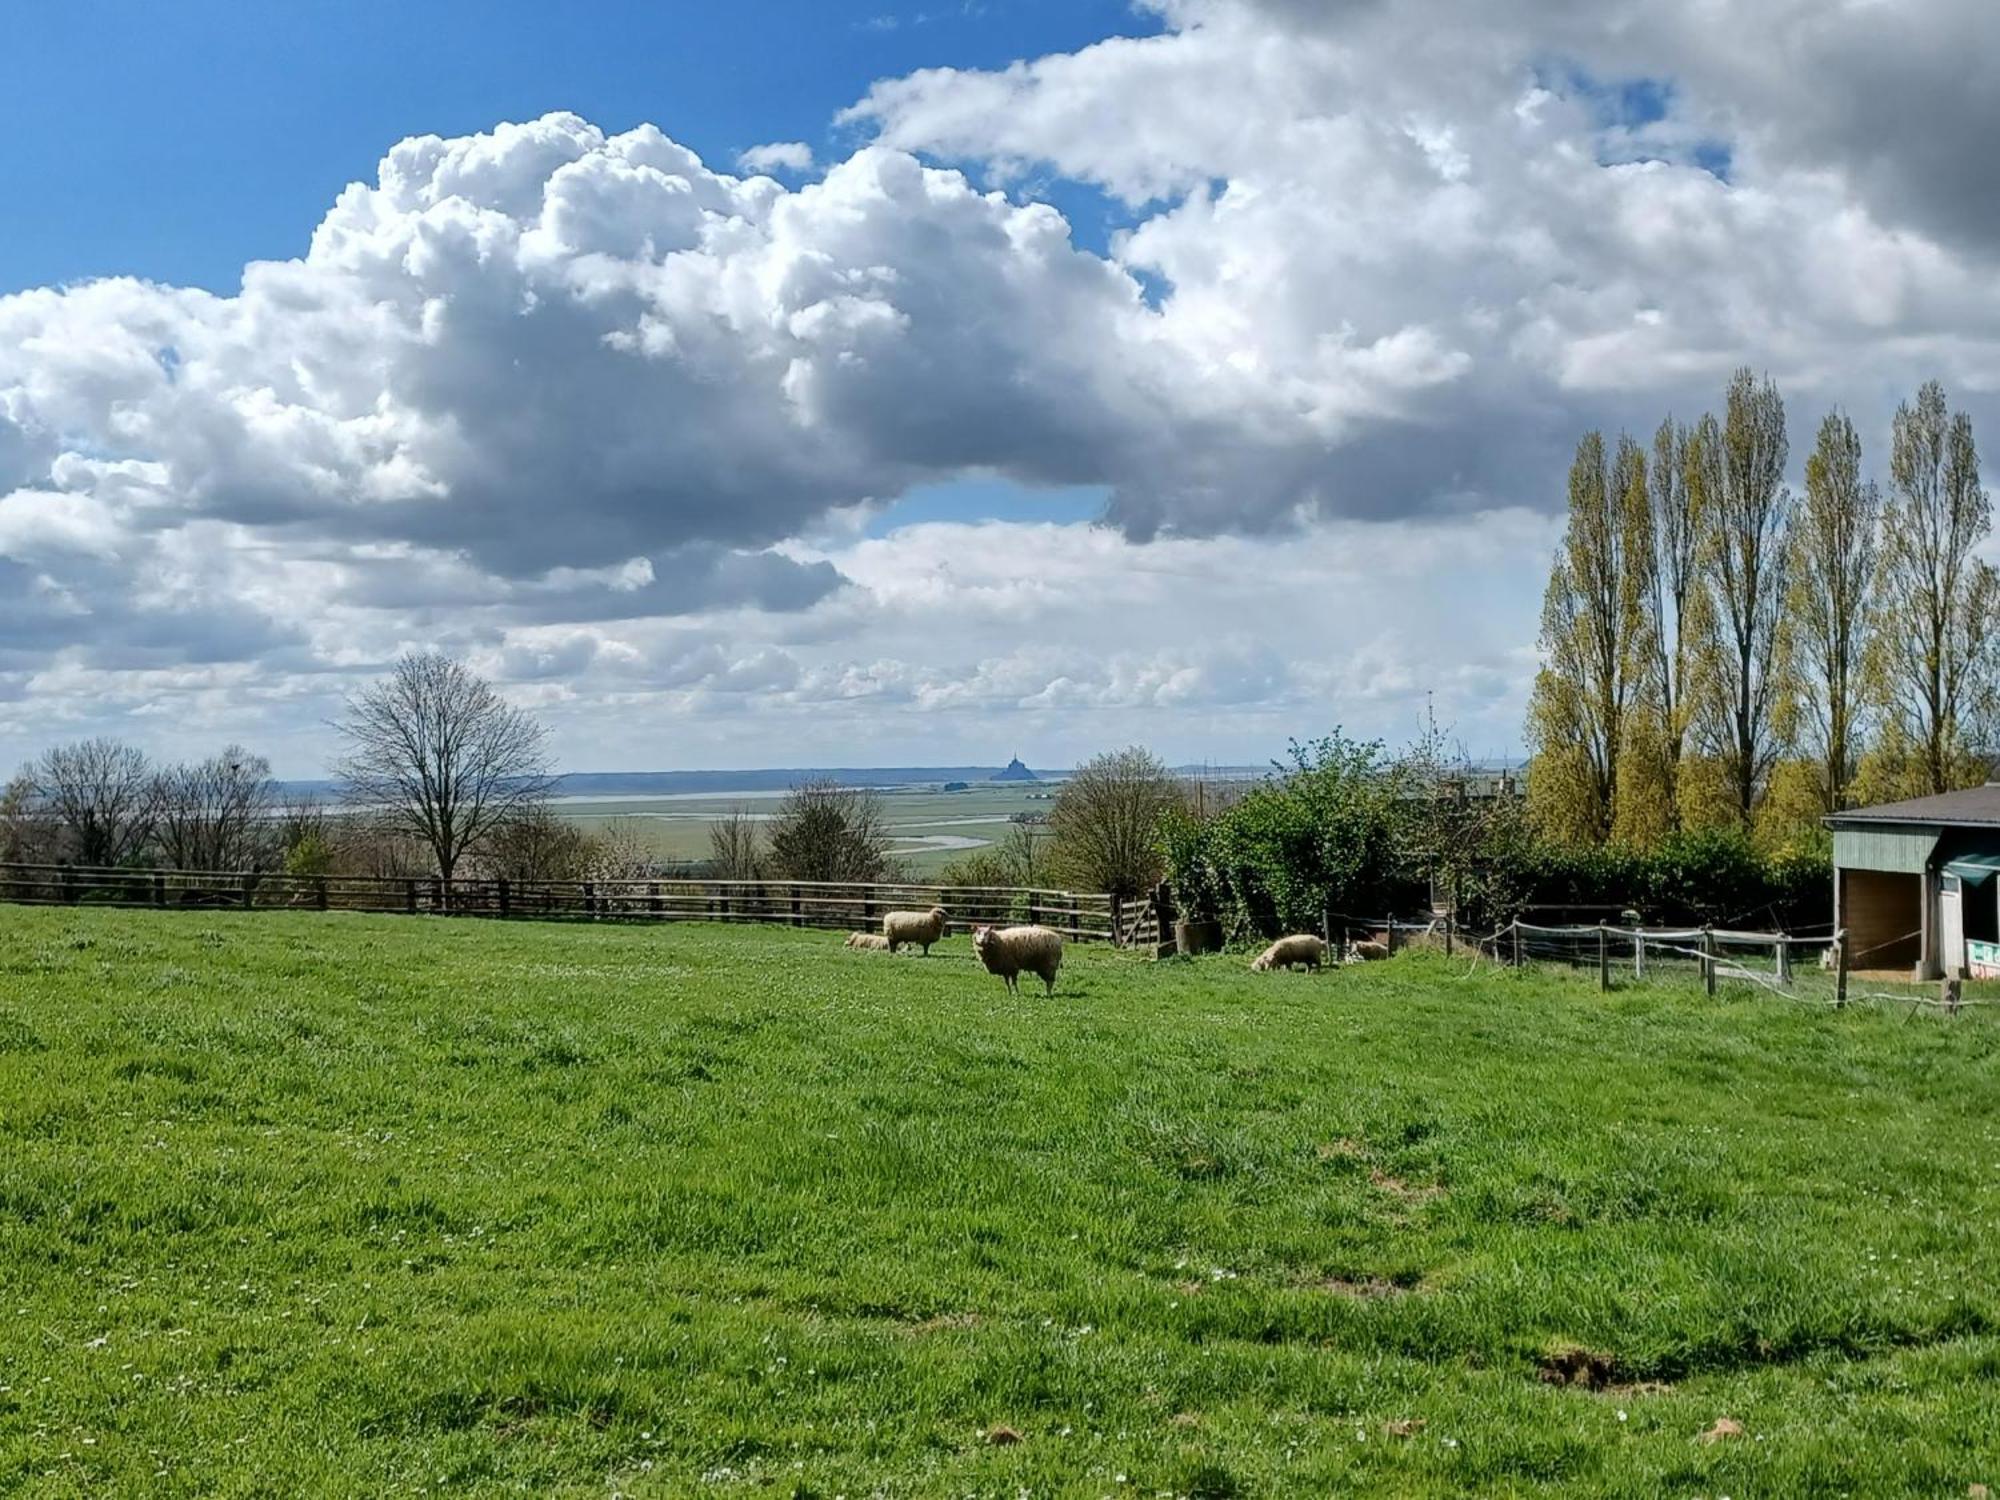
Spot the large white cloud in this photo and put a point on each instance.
(598, 415)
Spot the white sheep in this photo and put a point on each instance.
(921, 928)
(1299, 948)
(1368, 950)
(869, 940)
(1013, 951)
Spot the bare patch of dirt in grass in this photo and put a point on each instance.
(1572, 1364)
(942, 1323)
(1363, 1289)
(1344, 1149)
(1414, 1194)
(1404, 1427)
(1185, 1419)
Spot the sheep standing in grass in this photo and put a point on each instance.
(873, 941)
(1299, 948)
(921, 928)
(1013, 951)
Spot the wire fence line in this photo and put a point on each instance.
(1079, 916)
(1816, 967)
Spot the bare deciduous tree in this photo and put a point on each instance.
(99, 795)
(1106, 821)
(736, 846)
(537, 845)
(826, 831)
(442, 756)
(216, 814)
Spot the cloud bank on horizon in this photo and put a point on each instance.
(619, 425)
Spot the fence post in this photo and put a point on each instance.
(506, 895)
(1951, 997)
(1708, 958)
(653, 897)
(1517, 942)
(1784, 959)
(319, 892)
(590, 899)
(410, 897)
(1117, 920)
(1840, 970)
(69, 883)
(798, 911)
(1638, 951)
(1449, 922)
(159, 889)
(1392, 937)
(1603, 959)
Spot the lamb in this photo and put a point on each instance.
(870, 940)
(1012, 951)
(1367, 950)
(921, 928)
(1299, 948)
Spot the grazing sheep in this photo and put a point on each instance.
(1013, 951)
(1299, 948)
(1367, 950)
(870, 940)
(921, 928)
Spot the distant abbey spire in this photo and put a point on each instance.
(1016, 772)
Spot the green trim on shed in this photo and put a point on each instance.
(1905, 851)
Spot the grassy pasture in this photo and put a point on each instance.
(296, 1205)
(920, 819)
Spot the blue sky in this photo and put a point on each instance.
(1264, 430)
(177, 141)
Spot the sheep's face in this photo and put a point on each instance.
(938, 913)
(982, 939)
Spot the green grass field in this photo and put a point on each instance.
(928, 828)
(296, 1205)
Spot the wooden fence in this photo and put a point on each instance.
(795, 903)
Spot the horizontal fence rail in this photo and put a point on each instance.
(850, 906)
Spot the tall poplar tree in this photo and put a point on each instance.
(1738, 469)
(1823, 637)
(1591, 638)
(1933, 667)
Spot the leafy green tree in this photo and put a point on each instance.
(1319, 837)
(1823, 635)
(1933, 663)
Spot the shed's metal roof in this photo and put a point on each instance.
(1976, 807)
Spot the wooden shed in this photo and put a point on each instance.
(1914, 886)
